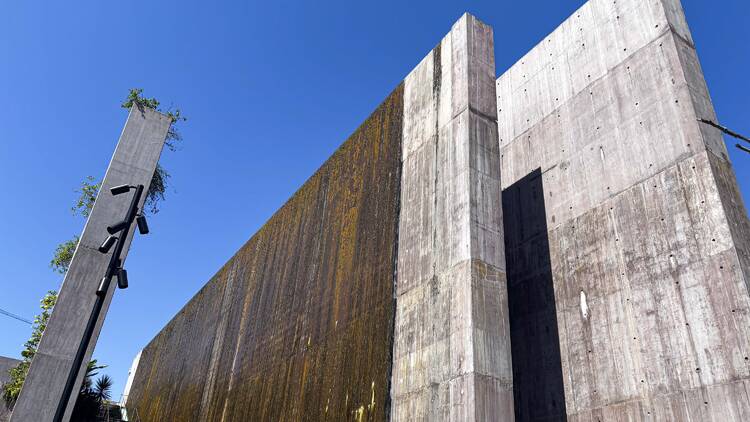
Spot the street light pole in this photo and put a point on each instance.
(113, 269)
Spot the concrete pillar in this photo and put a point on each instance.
(451, 355)
(133, 163)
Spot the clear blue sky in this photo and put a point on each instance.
(270, 88)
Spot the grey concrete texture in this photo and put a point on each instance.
(133, 162)
(451, 357)
(6, 364)
(649, 240)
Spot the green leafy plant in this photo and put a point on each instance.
(88, 193)
(103, 388)
(84, 204)
(93, 395)
(159, 181)
(156, 190)
(135, 98)
(63, 255)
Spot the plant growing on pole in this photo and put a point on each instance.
(159, 180)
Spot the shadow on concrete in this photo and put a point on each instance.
(535, 343)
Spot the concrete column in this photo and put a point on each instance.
(133, 163)
(451, 358)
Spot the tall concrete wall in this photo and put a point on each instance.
(627, 240)
(6, 364)
(298, 325)
(451, 354)
(133, 162)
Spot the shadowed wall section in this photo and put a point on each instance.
(298, 325)
(535, 343)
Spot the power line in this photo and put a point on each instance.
(14, 316)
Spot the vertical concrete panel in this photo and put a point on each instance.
(133, 163)
(451, 353)
(636, 210)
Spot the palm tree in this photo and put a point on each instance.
(92, 397)
(103, 389)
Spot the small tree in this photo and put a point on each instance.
(63, 255)
(88, 193)
(93, 395)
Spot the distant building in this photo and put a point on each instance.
(5, 365)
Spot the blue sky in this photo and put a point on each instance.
(270, 90)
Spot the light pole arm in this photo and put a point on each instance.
(114, 261)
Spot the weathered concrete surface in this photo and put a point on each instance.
(5, 365)
(133, 162)
(451, 355)
(634, 224)
(298, 325)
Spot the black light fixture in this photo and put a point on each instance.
(116, 190)
(107, 244)
(142, 224)
(114, 269)
(122, 225)
(122, 278)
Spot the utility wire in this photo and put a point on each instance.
(14, 316)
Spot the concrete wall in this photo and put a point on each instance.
(627, 240)
(5, 365)
(133, 162)
(298, 325)
(621, 231)
(451, 358)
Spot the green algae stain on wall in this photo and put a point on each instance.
(298, 325)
